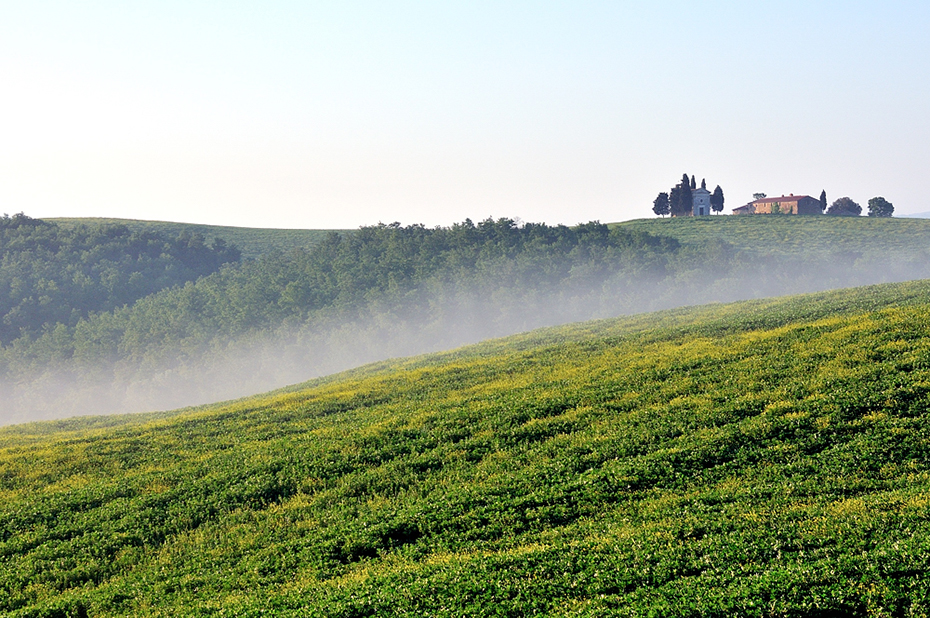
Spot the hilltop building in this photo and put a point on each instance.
(700, 202)
(784, 205)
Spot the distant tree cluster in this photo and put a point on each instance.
(846, 207)
(376, 265)
(54, 275)
(677, 201)
(880, 207)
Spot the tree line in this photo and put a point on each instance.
(389, 289)
(846, 207)
(373, 266)
(53, 275)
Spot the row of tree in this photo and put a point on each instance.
(878, 207)
(678, 200)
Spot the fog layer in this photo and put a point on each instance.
(430, 318)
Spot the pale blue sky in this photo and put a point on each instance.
(339, 114)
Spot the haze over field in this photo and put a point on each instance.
(336, 115)
(763, 459)
(390, 291)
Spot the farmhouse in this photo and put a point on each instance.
(784, 205)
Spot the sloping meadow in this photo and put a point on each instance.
(768, 458)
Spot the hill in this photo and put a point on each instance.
(253, 242)
(390, 290)
(765, 458)
(382, 291)
(53, 277)
(888, 239)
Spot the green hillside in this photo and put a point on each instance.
(813, 236)
(252, 241)
(51, 277)
(765, 458)
(389, 290)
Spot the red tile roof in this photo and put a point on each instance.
(784, 198)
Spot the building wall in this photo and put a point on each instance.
(700, 202)
(809, 206)
(791, 205)
(784, 207)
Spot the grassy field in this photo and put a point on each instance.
(252, 241)
(787, 235)
(769, 458)
(772, 235)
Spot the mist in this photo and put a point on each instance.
(433, 318)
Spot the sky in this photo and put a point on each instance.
(340, 114)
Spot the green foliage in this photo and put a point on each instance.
(823, 200)
(844, 207)
(679, 198)
(391, 290)
(53, 277)
(880, 207)
(253, 242)
(384, 263)
(660, 205)
(717, 200)
(769, 458)
(412, 287)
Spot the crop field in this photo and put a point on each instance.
(252, 241)
(795, 235)
(765, 458)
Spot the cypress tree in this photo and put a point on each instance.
(693, 184)
(823, 200)
(685, 203)
(716, 200)
(674, 200)
(704, 183)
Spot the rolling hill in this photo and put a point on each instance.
(253, 242)
(881, 238)
(390, 290)
(763, 458)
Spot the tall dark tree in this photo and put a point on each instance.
(716, 200)
(880, 207)
(704, 183)
(685, 202)
(823, 200)
(693, 184)
(674, 200)
(660, 205)
(844, 207)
